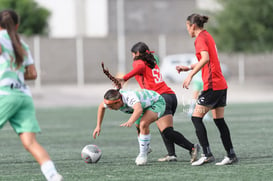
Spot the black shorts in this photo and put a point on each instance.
(171, 103)
(213, 99)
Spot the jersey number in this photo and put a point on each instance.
(157, 76)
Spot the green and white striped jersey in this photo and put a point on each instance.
(131, 97)
(9, 74)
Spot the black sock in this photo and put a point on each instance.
(225, 136)
(169, 145)
(177, 138)
(201, 134)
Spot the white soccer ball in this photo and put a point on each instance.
(91, 154)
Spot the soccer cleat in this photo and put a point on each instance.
(194, 153)
(227, 161)
(141, 159)
(56, 177)
(204, 159)
(168, 158)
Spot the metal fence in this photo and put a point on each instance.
(78, 61)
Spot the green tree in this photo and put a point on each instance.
(244, 26)
(33, 18)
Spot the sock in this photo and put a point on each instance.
(225, 136)
(169, 145)
(144, 142)
(177, 138)
(201, 133)
(48, 169)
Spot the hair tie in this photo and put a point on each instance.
(149, 52)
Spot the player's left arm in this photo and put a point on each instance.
(136, 114)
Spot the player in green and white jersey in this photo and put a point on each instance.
(146, 106)
(16, 104)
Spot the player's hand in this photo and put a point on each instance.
(96, 132)
(127, 124)
(181, 68)
(121, 81)
(187, 82)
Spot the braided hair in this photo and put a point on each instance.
(144, 54)
(111, 77)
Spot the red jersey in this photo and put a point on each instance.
(148, 78)
(211, 73)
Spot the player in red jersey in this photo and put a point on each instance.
(213, 96)
(147, 73)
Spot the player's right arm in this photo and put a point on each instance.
(30, 72)
(100, 116)
(181, 68)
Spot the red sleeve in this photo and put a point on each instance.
(138, 68)
(200, 45)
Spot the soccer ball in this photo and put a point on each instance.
(91, 154)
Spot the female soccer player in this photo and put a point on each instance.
(213, 96)
(16, 103)
(146, 106)
(147, 73)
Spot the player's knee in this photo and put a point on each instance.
(28, 141)
(27, 144)
(168, 133)
(144, 125)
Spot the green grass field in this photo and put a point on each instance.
(65, 131)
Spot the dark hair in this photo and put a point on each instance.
(111, 77)
(8, 20)
(112, 94)
(198, 20)
(144, 54)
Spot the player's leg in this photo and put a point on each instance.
(166, 121)
(145, 136)
(165, 124)
(201, 133)
(218, 115)
(39, 153)
(138, 132)
(30, 144)
(205, 102)
(26, 126)
(169, 135)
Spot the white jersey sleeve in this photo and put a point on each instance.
(130, 98)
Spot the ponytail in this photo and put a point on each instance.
(111, 77)
(8, 20)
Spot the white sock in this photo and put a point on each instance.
(48, 169)
(144, 142)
